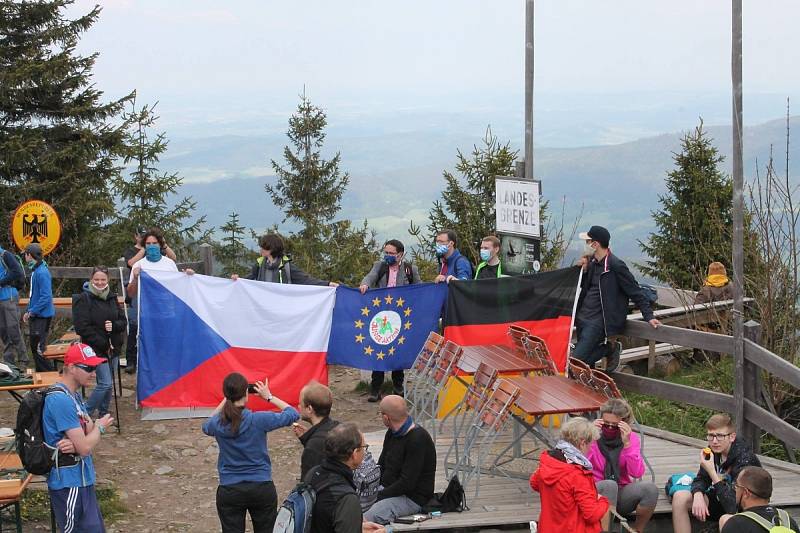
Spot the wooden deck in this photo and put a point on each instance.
(506, 502)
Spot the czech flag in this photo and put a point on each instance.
(195, 330)
(479, 312)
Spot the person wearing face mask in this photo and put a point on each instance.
(274, 266)
(153, 259)
(40, 310)
(452, 265)
(100, 321)
(606, 287)
(753, 491)
(390, 271)
(490, 266)
(616, 461)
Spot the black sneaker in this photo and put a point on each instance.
(612, 362)
(130, 370)
(374, 397)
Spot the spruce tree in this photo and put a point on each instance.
(145, 193)
(231, 252)
(309, 190)
(58, 141)
(694, 222)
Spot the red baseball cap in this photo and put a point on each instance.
(82, 354)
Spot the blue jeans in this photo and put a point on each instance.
(591, 345)
(101, 395)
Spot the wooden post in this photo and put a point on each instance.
(651, 358)
(207, 257)
(752, 386)
(529, 89)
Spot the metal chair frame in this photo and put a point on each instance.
(419, 376)
(443, 369)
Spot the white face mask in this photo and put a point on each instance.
(100, 287)
(587, 249)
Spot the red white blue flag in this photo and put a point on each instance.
(195, 330)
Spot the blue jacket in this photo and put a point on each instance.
(244, 456)
(41, 303)
(459, 266)
(8, 275)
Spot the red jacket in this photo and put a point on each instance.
(569, 497)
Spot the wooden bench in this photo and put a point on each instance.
(650, 352)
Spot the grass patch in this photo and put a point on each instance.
(363, 388)
(36, 505)
(690, 420)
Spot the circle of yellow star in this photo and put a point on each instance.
(380, 355)
(401, 340)
(407, 312)
(400, 302)
(365, 311)
(391, 350)
(359, 324)
(360, 338)
(368, 350)
(388, 299)
(376, 302)
(407, 325)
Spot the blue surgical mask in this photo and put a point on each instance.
(485, 255)
(441, 249)
(152, 252)
(390, 259)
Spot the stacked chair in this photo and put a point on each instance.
(418, 377)
(443, 368)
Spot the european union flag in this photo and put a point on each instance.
(384, 329)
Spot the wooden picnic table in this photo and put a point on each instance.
(553, 395)
(63, 302)
(502, 358)
(10, 494)
(40, 380)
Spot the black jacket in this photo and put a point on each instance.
(408, 465)
(313, 442)
(739, 456)
(617, 286)
(337, 508)
(286, 272)
(89, 314)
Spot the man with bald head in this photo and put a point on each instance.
(408, 464)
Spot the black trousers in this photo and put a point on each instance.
(130, 345)
(235, 501)
(38, 328)
(397, 381)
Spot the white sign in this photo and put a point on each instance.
(517, 204)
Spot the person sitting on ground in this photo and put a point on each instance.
(753, 491)
(100, 322)
(617, 461)
(66, 425)
(314, 407)
(452, 265)
(407, 462)
(716, 287)
(276, 267)
(490, 265)
(245, 469)
(712, 493)
(564, 481)
(391, 271)
(337, 508)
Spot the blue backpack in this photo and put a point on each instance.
(294, 516)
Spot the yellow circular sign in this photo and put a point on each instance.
(36, 221)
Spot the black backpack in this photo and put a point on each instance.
(19, 281)
(452, 500)
(36, 455)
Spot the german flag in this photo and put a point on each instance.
(479, 312)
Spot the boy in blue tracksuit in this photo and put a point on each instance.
(40, 307)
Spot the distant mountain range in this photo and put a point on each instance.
(396, 174)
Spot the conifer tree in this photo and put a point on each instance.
(309, 190)
(695, 217)
(146, 191)
(231, 251)
(58, 140)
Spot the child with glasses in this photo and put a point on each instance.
(713, 493)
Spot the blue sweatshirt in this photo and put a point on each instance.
(458, 266)
(41, 302)
(244, 457)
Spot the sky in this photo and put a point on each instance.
(203, 53)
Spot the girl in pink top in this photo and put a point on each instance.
(618, 465)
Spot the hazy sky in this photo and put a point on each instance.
(196, 50)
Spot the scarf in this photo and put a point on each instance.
(404, 428)
(717, 280)
(611, 450)
(573, 455)
(103, 295)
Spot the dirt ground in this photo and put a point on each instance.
(165, 471)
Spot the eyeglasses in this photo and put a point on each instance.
(442, 242)
(365, 447)
(609, 425)
(716, 436)
(748, 489)
(87, 368)
(95, 270)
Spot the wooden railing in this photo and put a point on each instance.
(756, 358)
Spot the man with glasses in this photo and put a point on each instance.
(408, 464)
(452, 265)
(390, 271)
(68, 427)
(712, 494)
(337, 507)
(753, 491)
(606, 287)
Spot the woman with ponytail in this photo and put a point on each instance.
(245, 469)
